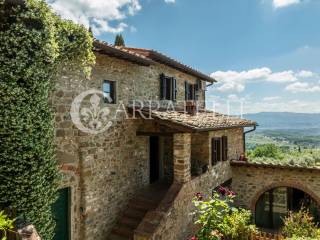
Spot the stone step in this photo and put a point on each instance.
(117, 237)
(135, 213)
(123, 231)
(142, 205)
(130, 222)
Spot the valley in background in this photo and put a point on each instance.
(284, 138)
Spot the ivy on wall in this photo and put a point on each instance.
(34, 44)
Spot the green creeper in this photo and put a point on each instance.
(34, 44)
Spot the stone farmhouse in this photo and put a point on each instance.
(136, 180)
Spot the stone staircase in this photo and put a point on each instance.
(145, 201)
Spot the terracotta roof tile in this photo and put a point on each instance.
(147, 57)
(162, 58)
(202, 121)
(272, 165)
(104, 47)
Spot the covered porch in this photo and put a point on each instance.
(183, 145)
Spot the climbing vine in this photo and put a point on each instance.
(34, 44)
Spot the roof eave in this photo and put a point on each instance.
(222, 128)
(188, 128)
(156, 56)
(115, 52)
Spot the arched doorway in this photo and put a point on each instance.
(274, 204)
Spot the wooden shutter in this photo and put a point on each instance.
(213, 152)
(186, 90)
(193, 92)
(168, 88)
(190, 92)
(224, 148)
(198, 85)
(114, 92)
(162, 87)
(174, 89)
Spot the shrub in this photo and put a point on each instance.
(237, 225)
(300, 225)
(219, 220)
(34, 44)
(5, 225)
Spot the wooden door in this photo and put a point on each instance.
(154, 159)
(61, 215)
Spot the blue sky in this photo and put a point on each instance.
(264, 53)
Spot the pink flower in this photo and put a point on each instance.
(225, 191)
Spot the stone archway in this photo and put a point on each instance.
(291, 184)
(250, 181)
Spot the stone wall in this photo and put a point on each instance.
(251, 181)
(235, 141)
(178, 221)
(105, 170)
(200, 145)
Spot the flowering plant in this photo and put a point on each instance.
(218, 219)
(300, 225)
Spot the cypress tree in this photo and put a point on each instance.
(119, 41)
(33, 44)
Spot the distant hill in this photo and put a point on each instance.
(285, 129)
(285, 120)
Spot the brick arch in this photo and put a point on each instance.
(296, 185)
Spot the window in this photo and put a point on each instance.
(219, 150)
(109, 91)
(168, 88)
(215, 150)
(190, 91)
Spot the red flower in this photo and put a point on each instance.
(194, 238)
(222, 190)
(225, 191)
(199, 196)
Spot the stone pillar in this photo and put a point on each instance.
(182, 157)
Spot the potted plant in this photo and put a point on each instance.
(243, 157)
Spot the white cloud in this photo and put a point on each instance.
(97, 13)
(169, 1)
(296, 105)
(229, 81)
(133, 29)
(305, 74)
(237, 105)
(303, 87)
(285, 76)
(271, 98)
(284, 3)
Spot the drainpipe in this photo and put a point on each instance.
(208, 85)
(244, 137)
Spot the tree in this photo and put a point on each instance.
(119, 41)
(34, 43)
(267, 150)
